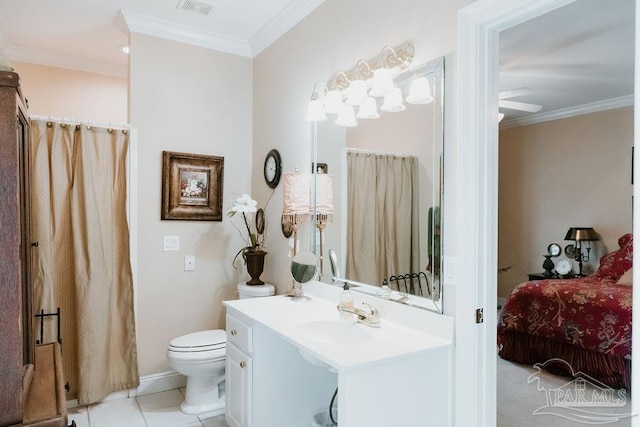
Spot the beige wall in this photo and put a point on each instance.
(334, 37)
(61, 92)
(188, 99)
(559, 174)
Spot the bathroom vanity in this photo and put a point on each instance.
(285, 359)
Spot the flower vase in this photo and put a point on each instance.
(255, 266)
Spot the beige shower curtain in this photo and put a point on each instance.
(382, 218)
(81, 264)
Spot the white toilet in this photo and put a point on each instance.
(200, 357)
(255, 291)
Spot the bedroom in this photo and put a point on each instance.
(571, 164)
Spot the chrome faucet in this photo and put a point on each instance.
(369, 318)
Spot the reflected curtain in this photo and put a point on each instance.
(382, 216)
(81, 264)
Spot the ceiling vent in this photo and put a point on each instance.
(199, 7)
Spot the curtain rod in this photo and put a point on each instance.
(383, 153)
(74, 121)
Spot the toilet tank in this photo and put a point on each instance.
(255, 291)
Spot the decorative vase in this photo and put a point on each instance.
(255, 266)
(548, 266)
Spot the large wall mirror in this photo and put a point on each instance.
(387, 196)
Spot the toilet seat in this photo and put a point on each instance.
(200, 342)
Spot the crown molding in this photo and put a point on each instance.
(295, 12)
(60, 60)
(143, 24)
(564, 113)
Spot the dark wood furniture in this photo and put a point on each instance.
(22, 367)
(541, 276)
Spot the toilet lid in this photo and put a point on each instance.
(200, 341)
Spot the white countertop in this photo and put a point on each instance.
(392, 340)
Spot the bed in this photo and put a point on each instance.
(584, 321)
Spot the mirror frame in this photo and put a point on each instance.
(435, 66)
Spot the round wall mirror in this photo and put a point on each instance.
(304, 267)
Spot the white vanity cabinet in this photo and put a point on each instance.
(239, 373)
(281, 374)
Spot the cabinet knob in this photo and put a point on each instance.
(243, 364)
(234, 332)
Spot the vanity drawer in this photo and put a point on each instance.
(239, 333)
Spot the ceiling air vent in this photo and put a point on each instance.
(199, 7)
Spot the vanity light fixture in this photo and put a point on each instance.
(358, 86)
(125, 49)
(315, 108)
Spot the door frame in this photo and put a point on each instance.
(479, 25)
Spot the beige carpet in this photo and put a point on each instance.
(523, 404)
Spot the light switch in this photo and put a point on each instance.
(189, 262)
(171, 243)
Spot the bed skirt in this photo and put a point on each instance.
(613, 371)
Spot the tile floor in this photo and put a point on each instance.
(152, 410)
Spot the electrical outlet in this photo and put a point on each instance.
(189, 262)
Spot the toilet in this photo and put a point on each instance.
(255, 291)
(200, 357)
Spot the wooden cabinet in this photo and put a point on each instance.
(16, 336)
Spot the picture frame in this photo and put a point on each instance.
(192, 186)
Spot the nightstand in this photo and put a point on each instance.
(541, 276)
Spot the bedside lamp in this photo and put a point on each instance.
(579, 235)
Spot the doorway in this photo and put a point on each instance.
(477, 169)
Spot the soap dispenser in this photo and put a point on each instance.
(345, 300)
(384, 291)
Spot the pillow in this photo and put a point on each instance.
(626, 279)
(614, 264)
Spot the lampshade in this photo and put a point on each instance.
(393, 101)
(356, 92)
(581, 234)
(420, 91)
(324, 195)
(382, 82)
(347, 117)
(296, 204)
(368, 109)
(333, 102)
(315, 111)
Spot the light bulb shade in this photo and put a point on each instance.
(356, 92)
(382, 82)
(347, 117)
(420, 91)
(393, 101)
(296, 203)
(324, 194)
(368, 109)
(333, 102)
(315, 111)
(581, 234)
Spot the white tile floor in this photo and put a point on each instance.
(152, 410)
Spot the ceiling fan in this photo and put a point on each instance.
(514, 105)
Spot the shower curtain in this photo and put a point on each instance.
(81, 263)
(382, 218)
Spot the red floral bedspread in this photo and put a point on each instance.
(590, 312)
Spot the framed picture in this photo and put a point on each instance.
(192, 186)
(321, 168)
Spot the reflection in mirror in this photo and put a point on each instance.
(388, 194)
(304, 268)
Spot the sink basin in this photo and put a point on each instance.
(334, 331)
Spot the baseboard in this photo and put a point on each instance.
(149, 384)
(156, 383)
